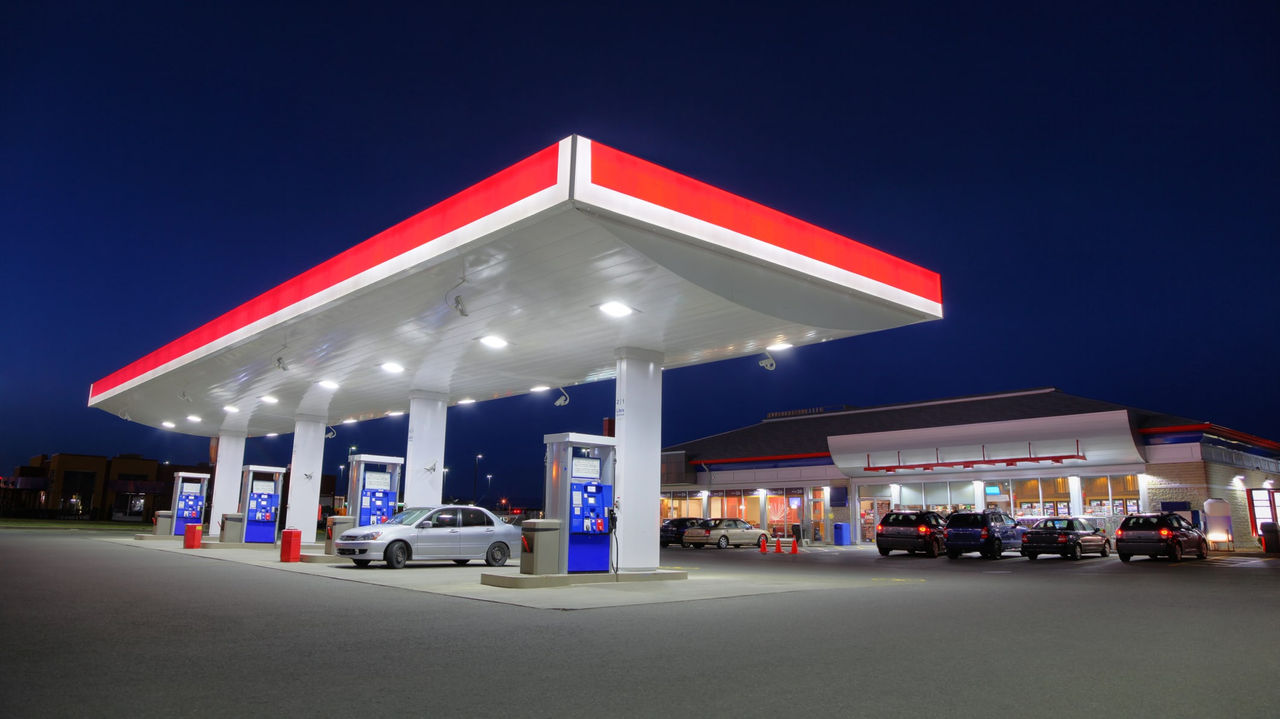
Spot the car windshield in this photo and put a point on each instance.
(1054, 524)
(1141, 522)
(410, 516)
(966, 521)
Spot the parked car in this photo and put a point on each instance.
(432, 533)
(989, 533)
(1164, 534)
(1065, 536)
(723, 532)
(911, 531)
(672, 530)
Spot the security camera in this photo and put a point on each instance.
(768, 363)
(563, 399)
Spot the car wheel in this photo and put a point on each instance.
(396, 555)
(997, 549)
(722, 543)
(1175, 551)
(933, 550)
(1031, 555)
(912, 552)
(1203, 553)
(496, 555)
(764, 541)
(1125, 557)
(1073, 552)
(362, 563)
(883, 552)
(1106, 550)
(461, 562)
(684, 544)
(953, 554)
(695, 546)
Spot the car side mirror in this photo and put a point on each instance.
(424, 524)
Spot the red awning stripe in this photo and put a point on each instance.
(766, 458)
(515, 183)
(646, 181)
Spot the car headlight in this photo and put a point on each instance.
(367, 536)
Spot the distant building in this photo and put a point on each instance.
(1030, 453)
(128, 487)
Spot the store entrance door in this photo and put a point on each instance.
(870, 511)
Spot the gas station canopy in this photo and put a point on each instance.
(509, 286)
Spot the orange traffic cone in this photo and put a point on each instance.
(777, 545)
(764, 545)
(795, 545)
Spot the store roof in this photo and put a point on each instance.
(528, 257)
(794, 437)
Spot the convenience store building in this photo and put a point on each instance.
(1031, 453)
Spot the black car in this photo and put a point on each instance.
(672, 530)
(1165, 534)
(912, 531)
(1065, 536)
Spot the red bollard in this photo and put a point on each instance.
(191, 536)
(291, 545)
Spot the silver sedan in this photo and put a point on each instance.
(449, 532)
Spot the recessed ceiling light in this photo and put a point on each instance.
(466, 400)
(779, 346)
(615, 309)
(493, 341)
(231, 408)
(392, 367)
(273, 434)
(349, 420)
(168, 424)
(395, 413)
(269, 399)
(193, 418)
(328, 384)
(539, 388)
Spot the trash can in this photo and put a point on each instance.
(334, 527)
(540, 546)
(232, 528)
(291, 545)
(191, 536)
(1270, 537)
(164, 523)
(842, 534)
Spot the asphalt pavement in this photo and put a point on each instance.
(98, 626)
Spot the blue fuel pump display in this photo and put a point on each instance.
(261, 512)
(589, 504)
(189, 507)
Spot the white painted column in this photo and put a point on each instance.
(638, 474)
(1077, 496)
(226, 479)
(979, 495)
(895, 496)
(424, 455)
(304, 475)
(764, 510)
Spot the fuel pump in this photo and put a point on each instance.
(188, 500)
(373, 487)
(579, 492)
(260, 502)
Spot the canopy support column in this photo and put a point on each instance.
(226, 479)
(304, 475)
(424, 455)
(638, 474)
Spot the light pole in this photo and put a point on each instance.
(475, 480)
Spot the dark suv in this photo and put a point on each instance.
(912, 531)
(1166, 534)
(672, 530)
(988, 533)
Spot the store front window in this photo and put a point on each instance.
(818, 511)
(681, 504)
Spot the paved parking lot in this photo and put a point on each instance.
(96, 626)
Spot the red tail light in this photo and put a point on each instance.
(1063, 538)
(1119, 533)
(923, 529)
(1165, 533)
(984, 533)
(879, 528)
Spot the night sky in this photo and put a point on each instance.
(1098, 183)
